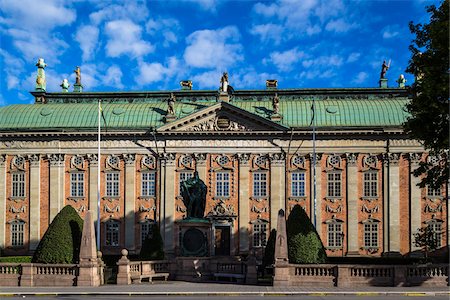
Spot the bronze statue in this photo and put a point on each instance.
(276, 104)
(384, 69)
(193, 191)
(171, 102)
(78, 78)
(224, 82)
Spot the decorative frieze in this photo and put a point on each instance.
(337, 209)
(56, 159)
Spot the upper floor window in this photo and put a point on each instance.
(148, 184)
(77, 184)
(112, 184)
(18, 184)
(184, 176)
(222, 184)
(433, 192)
(112, 229)
(335, 234)
(17, 233)
(259, 234)
(334, 184)
(259, 184)
(371, 234)
(370, 184)
(298, 184)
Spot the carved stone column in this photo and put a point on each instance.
(35, 211)
(244, 199)
(168, 201)
(352, 202)
(318, 212)
(277, 187)
(93, 183)
(56, 184)
(2, 200)
(416, 199)
(394, 202)
(130, 197)
(200, 159)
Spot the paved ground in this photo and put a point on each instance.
(292, 297)
(179, 288)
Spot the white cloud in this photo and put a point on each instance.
(354, 56)
(285, 61)
(156, 72)
(13, 67)
(12, 82)
(135, 10)
(360, 78)
(169, 29)
(87, 37)
(268, 32)
(125, 39)
(210, 5)
(339, 26)
(328, 61)
(389, 32)
(209, 79)
(113, 77)
(213, 48)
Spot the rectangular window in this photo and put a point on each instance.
(112, 184)
(148, 184)
(335, 234)
(370, 184)
(259, 184)
(18, 184)
(112, 233)
(436, 229)
(223, 184)
(146, 229)
(371, 235)
(259, 235)
(17, 233)
(184, 176)
(77, 184)
(433, 192)
(334, 184)
(298, 184)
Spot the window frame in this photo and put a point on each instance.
(371, 235)
(370, 184)
(301, 184)
(112, 184)
(18, 185)
(112, 233)
(149, 229)
(148, 191)
(76, 184)
(224, 184)
(335, 237)
(260, 190)
(17, 235)
(259, 234)
(333, 184)
(436, 229)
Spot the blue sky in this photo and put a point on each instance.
(152, 45)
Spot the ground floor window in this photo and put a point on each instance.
(335, 234)
(435, 228)
(259, 234)
(371, 235)
(146, 230)
(17, 233)
(112, 233)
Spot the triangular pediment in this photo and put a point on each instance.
(222, 117)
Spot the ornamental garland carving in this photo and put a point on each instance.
(77, 162)
(142, 208)
(81, 209)
(370, 161)
(222, 210)
(330, 209)
(429, 209)
(18, 163)
(368, 210)
(108, 209)
(113, 162)
(15, 210)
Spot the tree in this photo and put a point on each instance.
(269, 251)
(427, 239)
(152, 247)
(304, 244)
(429, 107)
(61, 242)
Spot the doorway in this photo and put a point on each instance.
(222, 240)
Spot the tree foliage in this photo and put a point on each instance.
(62, 240)
(427, 239)
(269, 251)
(304, 244)
(429, 107)
(152, 247)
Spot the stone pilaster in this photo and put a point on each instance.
(130, 197)
(277, 186)
(93, 183)
(385, 202)
(35, 175)
(394, 202)
(56, 184)
(318, 211)
(200, 160)
(352, 202)
(244, 206)
(168, 202)
(416, 199)
(2, 200)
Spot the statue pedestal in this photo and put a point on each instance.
(194, 237)
(170, 118)
(224, 97)
(383, 83)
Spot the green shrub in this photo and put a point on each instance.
(15, 259)
(269, 251)
(61, 241)
(304, 244)
(152, 247)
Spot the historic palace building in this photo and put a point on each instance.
(256, 150)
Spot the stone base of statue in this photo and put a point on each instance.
(276, 117)
(194, 237)
(224, 97)
(77, 88)
(383, 83)
(170, 118)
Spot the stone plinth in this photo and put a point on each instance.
(194, 237)
(170, 118)
(383, 83)
(224, 97)
(123, 273)
(281, 253)
(89, 274)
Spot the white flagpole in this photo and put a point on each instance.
(314, 161)
(98, 177)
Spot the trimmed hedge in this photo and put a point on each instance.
(304, 244)
(61, 241)
(15, 259)
(152, 247)
(269, 251)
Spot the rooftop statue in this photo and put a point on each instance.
(40, 79)
(384, 68)
(65, 85)
(171, 103)
(78, 74)
(224, 82)
(193, 191)
(276, 104)
(401, 81)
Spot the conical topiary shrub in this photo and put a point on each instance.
(152, 247)
(269, 251)
(304, 244)
(61, 241)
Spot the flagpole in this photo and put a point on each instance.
(98, 177)
(314, 160)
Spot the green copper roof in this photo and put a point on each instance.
(144, 111)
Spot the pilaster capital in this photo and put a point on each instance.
(277, 159)
(130, 159)
(200, 159)
(56, 159)
(318, 157)
(394, 158)
(93, 159)
(352, 159)
(2, 160)
(167, 159)
(34, 159)
(415, 158)
(243, 158)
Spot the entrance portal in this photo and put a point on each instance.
(222, 240)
